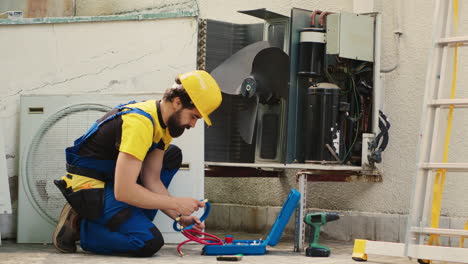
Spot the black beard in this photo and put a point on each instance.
(175, 129)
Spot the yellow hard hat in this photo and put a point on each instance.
(203, 90)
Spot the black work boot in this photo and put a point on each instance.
(67, 231)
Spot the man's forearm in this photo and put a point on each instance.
(127, 190)
(139, 196)
(159, 188)
(163, 191)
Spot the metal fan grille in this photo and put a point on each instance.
(223, 142)
(46, 156)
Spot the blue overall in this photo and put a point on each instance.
(121, 228)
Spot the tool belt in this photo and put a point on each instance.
(85, 194)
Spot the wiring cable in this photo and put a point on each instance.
(357, 118)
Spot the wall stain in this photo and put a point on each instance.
(13, 183)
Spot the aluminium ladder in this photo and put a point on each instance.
(430, 177)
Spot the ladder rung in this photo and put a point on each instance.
(448, 102)
(448, 166)
(440, 231)
(453, 40)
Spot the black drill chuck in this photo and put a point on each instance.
(317, 217)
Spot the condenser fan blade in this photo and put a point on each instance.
(230, 74)
(247, 118)
(271, 69)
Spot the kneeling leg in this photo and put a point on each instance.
(134, 234)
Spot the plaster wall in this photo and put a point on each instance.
(96, 57)
(62, 8)
(95, 8)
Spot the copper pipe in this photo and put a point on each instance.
(312, 17)
(322, 17)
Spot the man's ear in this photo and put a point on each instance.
(176, 104)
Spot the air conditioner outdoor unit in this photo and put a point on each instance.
(325, 110)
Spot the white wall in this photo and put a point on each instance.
(101, 57)
(111, 7)
(134, 56)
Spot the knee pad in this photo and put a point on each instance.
(151, 246)
(172, 157)
(116, 220)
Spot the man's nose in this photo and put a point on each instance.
(193, 123)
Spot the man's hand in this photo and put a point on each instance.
(188, 220)
(186, 205)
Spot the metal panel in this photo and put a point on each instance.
(270, 134)
(262, 13)
(333, 34)
(351, 36)
(300, 18)
(357, 37)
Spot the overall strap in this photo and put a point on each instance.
(121, 107)
(105, 168)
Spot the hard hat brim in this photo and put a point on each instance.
(205, 116)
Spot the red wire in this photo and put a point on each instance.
(191, 234)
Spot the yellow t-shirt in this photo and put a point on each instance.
(138, 132)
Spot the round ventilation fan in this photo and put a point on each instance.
(45, 160)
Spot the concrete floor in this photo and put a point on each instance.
(11, 252)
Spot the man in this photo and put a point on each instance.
(119, 171)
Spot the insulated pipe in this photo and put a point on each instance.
(398, 33)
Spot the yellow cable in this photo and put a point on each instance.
(442, 173)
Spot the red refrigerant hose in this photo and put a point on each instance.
(195, 235)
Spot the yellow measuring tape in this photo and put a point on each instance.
(441, 173)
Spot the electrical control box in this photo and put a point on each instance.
(350, 36)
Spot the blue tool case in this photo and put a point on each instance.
(258, 247)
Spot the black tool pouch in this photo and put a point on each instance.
(88, 203)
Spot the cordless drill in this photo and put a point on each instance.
(315, 221)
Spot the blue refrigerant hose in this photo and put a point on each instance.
(202, 218)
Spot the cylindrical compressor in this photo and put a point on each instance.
(311, 50)
(321, 123)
